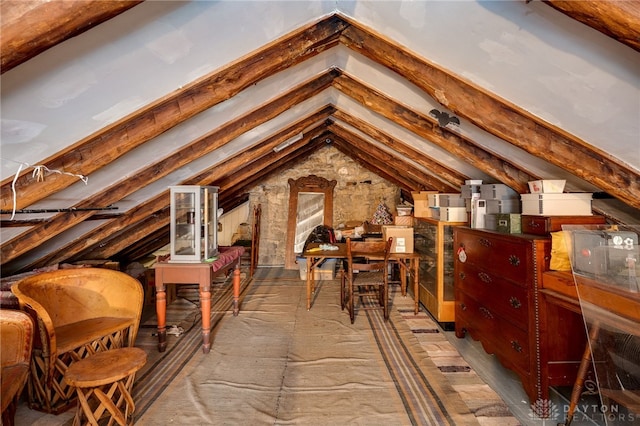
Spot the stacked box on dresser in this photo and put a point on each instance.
(503, 208)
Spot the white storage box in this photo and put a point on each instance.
(503, 206)
(478, 213)
(435, 213)
(497, 192)
(434, 200)
(547, 186)
(466, 191)
(404, 210)
(453, 214)
(451, 200)
(572, 204)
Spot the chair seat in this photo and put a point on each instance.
(12, 379)
(365, 278)
(104, 384)
(368, 278)
(105, 367)
(76, 334)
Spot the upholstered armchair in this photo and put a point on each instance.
(16, 341)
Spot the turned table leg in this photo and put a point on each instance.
(236, 290)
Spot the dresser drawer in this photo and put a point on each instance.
(508, 342)
(497, 294)
(543, 225)
(508, 256)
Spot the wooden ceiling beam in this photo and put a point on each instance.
(101, 236)
(371, 163)
(445, 173)
(393, 162)
(143, 248)
(125, 238)
(426, 127)
(29, 27)
(500, 118)
(217, 138)
(619, 20)
(114, 141)
(243, 178)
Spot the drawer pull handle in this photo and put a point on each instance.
(484, 277)
(462, 275)
(516, 346)
(534, 224)
(514, 260)
(485, 242)
(463, 306)
(486, 313)
(514, 302)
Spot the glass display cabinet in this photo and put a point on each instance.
(194, 223)
(433, 240)
(605, 261)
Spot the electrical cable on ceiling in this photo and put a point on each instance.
(38, 173)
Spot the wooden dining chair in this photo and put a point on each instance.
(364, 280)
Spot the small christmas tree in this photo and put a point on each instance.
(382, 215)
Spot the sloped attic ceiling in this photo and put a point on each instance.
(169, 93)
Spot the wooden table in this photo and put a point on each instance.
(409, 266)
(192, 273)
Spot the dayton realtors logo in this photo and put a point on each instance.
(546, 412)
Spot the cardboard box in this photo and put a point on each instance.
(421, 203)
(403, 220)
(576, 204)
(402, 238)
(326, 271)
(547, 186)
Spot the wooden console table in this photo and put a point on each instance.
(409, 265)
(201, 274)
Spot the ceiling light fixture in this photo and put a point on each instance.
(288, 142)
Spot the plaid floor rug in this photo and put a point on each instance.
(424, 395)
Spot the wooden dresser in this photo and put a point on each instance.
(498, 302)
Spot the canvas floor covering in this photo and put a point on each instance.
(278, 364)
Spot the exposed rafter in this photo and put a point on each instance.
(475, 105)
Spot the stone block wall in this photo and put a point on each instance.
(355, 198)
